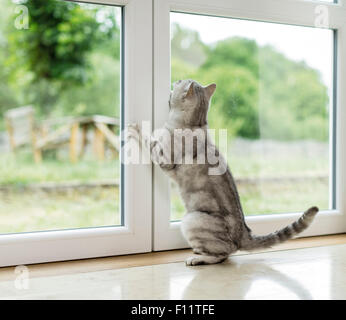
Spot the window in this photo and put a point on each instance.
(73, 74)
(278, 96)
(274, 97)
(69, 82)
(60, 145)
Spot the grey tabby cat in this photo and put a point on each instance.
(214, 225)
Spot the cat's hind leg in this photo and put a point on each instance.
(208, 235)
(204, 259)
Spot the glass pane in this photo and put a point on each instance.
(60, 108)
(274, 97)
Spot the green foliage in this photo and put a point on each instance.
(293, 99)
(56, 45)
(7, 96)
(234, 52)
(66, 63)
(260, 93)
(234, 105)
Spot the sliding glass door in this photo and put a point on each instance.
(74, 74)
(276, 97)
(69, 76)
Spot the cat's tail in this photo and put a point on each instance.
(252, 242)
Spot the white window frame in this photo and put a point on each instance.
(136, 235)
(146, 89)
(167, 234)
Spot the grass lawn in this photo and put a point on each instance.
(25, 211)
(283, 160)
(271, 198)
(29, 210)
(37, 211)
(19, 169)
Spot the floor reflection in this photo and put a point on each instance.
(315, 273)
(234, 280)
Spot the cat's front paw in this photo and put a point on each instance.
(132, 131)
(133, 127)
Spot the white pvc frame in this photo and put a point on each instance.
(147, 199)
(167, 234)
(135, 236)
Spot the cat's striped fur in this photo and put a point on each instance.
(214, 225)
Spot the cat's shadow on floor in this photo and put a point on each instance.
(235, 280)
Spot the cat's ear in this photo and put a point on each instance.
(190, 92)
(209, 90)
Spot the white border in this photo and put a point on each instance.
(167, 235)
(136, 235)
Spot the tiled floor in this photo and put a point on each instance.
(312, 273)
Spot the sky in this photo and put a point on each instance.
(313, 45)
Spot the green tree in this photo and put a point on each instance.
(293, 99)
(7, 96)
(55, 54)
(234, 104)
(260, 92)
(56, 44)
(234, 52)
